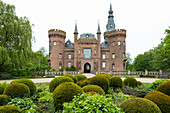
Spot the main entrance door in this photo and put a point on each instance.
(87, 68)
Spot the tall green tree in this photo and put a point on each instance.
(166, 47)
(129, 65)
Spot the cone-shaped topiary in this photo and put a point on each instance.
(2, 87)
(72, 77)
(83, 83)
(101, 81)
(162, 100)
(80, 77)
(29, 83)
(9, 109)
(93, 88)
(164, 88)
(130, 81)
(139, 105)
(17, 90)
(57, 81)
(4, 99)
(65, 93)
(116, 82)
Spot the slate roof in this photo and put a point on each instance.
(69, 44)
(105, 44)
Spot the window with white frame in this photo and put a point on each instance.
(113, 55)
(60, 55)
(113, 43)
(119, 43)
(54, 43)
(60, 65)
(113, 66)
(103, 56)
(69, 56)
(69, 64)
(103, 64)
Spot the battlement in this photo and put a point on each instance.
(56, 32)
(116, 32)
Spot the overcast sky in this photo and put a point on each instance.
(144, 20)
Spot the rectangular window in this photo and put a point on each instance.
(54, 43)
(113, 66)
(60, 43)
(60, 65)
(104, 56)
(119, 43)
(87, 53)
(60, 55)
(69, 64)
(103, 64)
(123, 54)
(124, 43)
(113, 55)
(113, 43)
(69, 56)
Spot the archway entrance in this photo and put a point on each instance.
(87, 68)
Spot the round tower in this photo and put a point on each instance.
(117, 45)
(56, 48)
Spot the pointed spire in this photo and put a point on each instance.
(98, 29)
(110, 24)
(76, 31)
(110, 11)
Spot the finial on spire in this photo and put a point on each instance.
(110, 11)
(75, 31)
(98, 29)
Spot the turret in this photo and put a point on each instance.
(75, 46)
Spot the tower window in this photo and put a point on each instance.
(119, 43)
(87, 53)
(50, 43)
(69, 64)
(123, 54)
(113, 66)
(60, 65)
(103, 64)
(113, 43)
(124, 43)
(69, 56)
(113, 55)
(60, 55)
(60, 43)
(94, 65)
(54, 43)
(104, 56)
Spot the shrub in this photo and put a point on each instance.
(4, 99)
(164, 88)
(83, 83)
(17, 90)
(93, 88)
(101, 81)
(116, 82)
(155, 84)
(139, 83)
(2, 87)
(87, 103)
(91, 93)
(65, 93)
(72, 77)
(80, 77)
(9, 109)
(130, 81)
(29, 83)
(139, 105)
(162, 100)
(57, 81)
(105, 75)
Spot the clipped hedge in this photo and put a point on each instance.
(83, 83)
(116, 82)
(162, 100)
(9, 109)
(29, 83)
(101, 81)
(139, 105)
(155, 84)
(57, 81)
(4, 99)
(105, 75)
(93, 88)
(164, 88)
(72, 77)
(2, 87)
(130, 81)
(65, 93)
(80, 77)
(19, 90)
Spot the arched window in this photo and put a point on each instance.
(60, 65)
(54, 43)
(113, 66)
(69, 56)
(119, 43)
(113, 43)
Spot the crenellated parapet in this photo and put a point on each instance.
(56, 32)
(87, 40)
(115, 33)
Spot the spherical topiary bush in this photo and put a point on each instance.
(17, 90)
(83, 83)
(164, 88)
(57, 81)
(162, 100)
(101, 81)
(116, 82)
(4, 99)
(72, 77)
(65, 93)
(9, 109)
(139, 83)
(155, 84)
(2, 87)
(93, 88)
(80, 77)
(105, 75)
(139, 105)
(29, 83)
(130, 81)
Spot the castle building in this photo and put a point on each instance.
(87, 53)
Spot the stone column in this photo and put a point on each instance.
(128, 72)
(146, 72)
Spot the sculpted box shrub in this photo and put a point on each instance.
(164, 88)
(4, 99)
(116, 82)
(93, 88)
(155, 84)
(80, 77)
(9, 109)
(72, 77)
(83, 83)
(130, 81)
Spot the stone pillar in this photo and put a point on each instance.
(110, 72)
(128, 72)
(160, 72)
(64, 71)
(45, 72)
(146, 72)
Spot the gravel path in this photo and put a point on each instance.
(89, 75)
